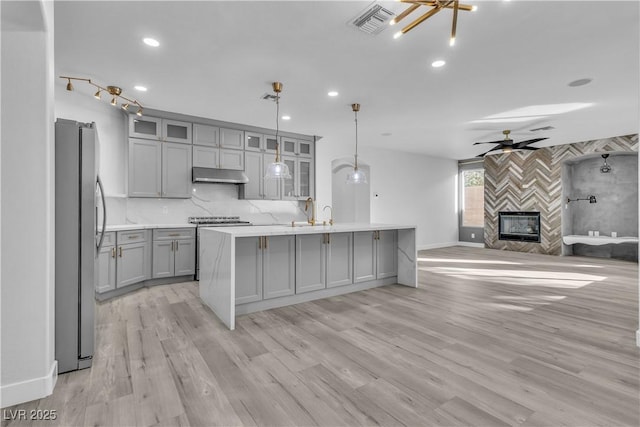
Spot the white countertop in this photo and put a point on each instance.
(125, 227)
(279, 230)
(597, 240)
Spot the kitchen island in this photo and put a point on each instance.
(253, 268)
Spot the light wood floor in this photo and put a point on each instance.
(491, 338)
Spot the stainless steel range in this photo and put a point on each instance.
(212, 221)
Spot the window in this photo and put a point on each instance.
(472, 197)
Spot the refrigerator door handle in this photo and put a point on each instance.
(104, 214)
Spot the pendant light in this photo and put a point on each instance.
(278, 169)
(356, 176)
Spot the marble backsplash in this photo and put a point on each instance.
(206, 200)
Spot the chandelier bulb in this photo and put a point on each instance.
(98, 94)
(452, 41)
(125, 106)
(139, 112)
(69, 85)
(114, 101)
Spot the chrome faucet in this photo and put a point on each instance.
(311, 221)
(331, 212)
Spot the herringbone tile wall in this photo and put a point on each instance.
(531, 181)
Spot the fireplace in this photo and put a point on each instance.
(519, 226)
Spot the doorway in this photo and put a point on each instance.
(351, 203)
(471, 201)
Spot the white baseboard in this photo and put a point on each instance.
(25, 391)
(638, 337)
(471, 244)
(436, 246)
(449, 244)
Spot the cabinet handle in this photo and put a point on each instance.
(266, 242)
(328, 238)
(133, 237)
(260, 242)
(177, 245)
(174, 234)
(113, 252)
(324, 238)
(120, 254)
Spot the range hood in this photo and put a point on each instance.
(218, 176)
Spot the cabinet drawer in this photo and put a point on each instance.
(132, 236)
(109, 239)
(174, 233)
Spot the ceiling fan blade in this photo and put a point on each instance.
(492, 142)
(496, 148)
(522, 144)
(527, 148)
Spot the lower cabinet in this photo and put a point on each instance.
(323, 261)
(105, 270)
(174, 252)
(133, 257)
(265, 268)
(374, 255)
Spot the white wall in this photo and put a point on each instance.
(410, 188)
(81, 106)
(28, 367)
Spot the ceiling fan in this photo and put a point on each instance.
(507, 145)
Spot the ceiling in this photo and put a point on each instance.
(217, 58)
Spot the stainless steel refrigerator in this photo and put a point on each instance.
(78, 196)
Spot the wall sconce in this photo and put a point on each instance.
(591, 199)
(114, 91)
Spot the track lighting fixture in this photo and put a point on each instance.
(114, 91)
(278, 169)
(436, 6)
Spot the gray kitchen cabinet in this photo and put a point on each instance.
(232, 138)
(323, 261)
(253, 142)
(159, 169)
(290, 186)
(254, 171)
(206, 135)
(145, 127)
(374, 255)
(271, 188)
(206, 156)
(133, 257)
(176, 131)
(265, 268)
(174, 252)
(311, 262)
(301, 185)
(296, 147)
(176, 170)
(106, 265)
(159, 129)
(339, 258)
(231, 159)
(305, 178)
(145, 168)
(278, 266)
(248, 269)
(387, 254)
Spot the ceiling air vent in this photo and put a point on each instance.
(372, 20)
(542, 128)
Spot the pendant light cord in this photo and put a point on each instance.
(277, 127)
(356, 156)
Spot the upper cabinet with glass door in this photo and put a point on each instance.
(296, 147)
(159, 129)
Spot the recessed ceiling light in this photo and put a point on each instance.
(580, 82)
(333, 93)
(140, 88)
(151, 42)
(286, 117)
(437, 64)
